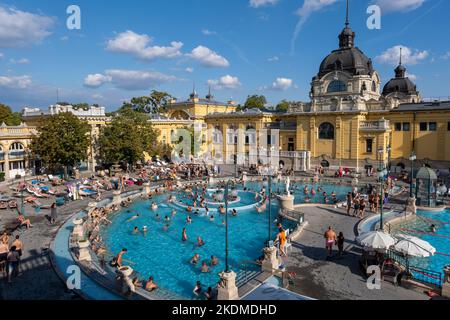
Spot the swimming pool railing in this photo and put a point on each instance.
(422, 275)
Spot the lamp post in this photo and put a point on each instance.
(269, 180)
(389, 150)
(382, 172)
(227, 186)
(412, 158)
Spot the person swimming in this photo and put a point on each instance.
(188, 219)
(133, 218)
(174, 213)
(211, 218)
(214, 261)
(200, 242)
(433, 228)
(195, 259)
(167, 219)
(234, 213)
(204, 268)
(184, 237)
(154, 206)
(135, 230)
(157, 217)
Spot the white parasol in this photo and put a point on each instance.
(376, 240)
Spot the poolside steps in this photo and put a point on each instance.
(254, 283)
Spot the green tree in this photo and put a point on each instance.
(156, 102)
(255, 101)
(283, 106)
(128, 136)
(63, 141)
(8, 117)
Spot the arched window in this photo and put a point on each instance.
(374, 86)
(337, 86)
(326, 131)
(16, 146)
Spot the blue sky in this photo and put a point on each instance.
(239, 47)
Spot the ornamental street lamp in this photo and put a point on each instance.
(381, 175)
(412, 158)
(270, 177)
(382, 172)
(227, 186)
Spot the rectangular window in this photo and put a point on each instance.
(432, 126)
(269, 139)
(398, 126)
(406, 126)
(448, 126)
(423, 126)
(369, 145)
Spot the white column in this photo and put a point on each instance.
(228, 291)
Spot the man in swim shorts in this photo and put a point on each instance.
(330, 240)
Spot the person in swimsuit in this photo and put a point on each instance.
(117, 262)
(214, 261)
(151, 285)
(197, 289)
(200, 242)
(205, 268)
(340, 243)
(195, 259)
(282, 240)
(133, 218)
(184, 235)
(330, 239)
(18, 244)
(4, 249)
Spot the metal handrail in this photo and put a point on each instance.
(419, 274)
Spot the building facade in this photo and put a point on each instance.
(94, 115)
(14, 150)
(351, 120)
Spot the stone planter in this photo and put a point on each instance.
(78, 230)
(83, 253)
(228, 291)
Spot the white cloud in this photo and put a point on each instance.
(1, 56)
(446, 56)
(20, 61)
(225, 82)
(96, 80)
(262, 3)
(399, 5)
(207, 32)
(19, 28)
(273, 59)
(128, 79)
(189, 70)
(282, 84)
(139, 45)
(208, 58)
(304, 12)
(19, 82)
(409, 56)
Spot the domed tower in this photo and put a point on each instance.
(346, 77)
(401, 89)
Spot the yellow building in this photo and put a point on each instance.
(95, 116)
(14, 150)
(351, 120)
(190, 113)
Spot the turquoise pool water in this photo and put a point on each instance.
(441, 240)
(161, 253)
(297, 189)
